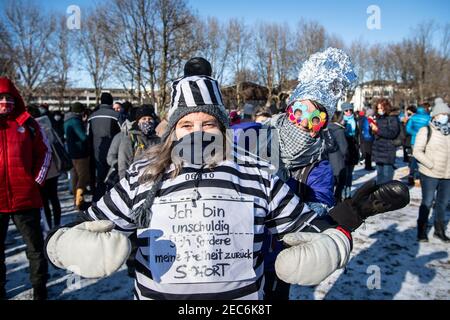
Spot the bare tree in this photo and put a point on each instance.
(173, 22)
(310, 38)
(240, 37)
(26, 33)
(62, 59)
(94, 50)
(422, 39)
(215, 46)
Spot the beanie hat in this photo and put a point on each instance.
(106, 98)
(440, 107)
(77, 107)
(347, 106)
(198, 93)
(145, 111)
(324, 78)
(197, 66)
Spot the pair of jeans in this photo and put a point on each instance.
(430, 186)
(413, 168)
(385, 172)
(49, 194)
(28, 223)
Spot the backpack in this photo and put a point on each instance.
(401, 137)
(59, 153)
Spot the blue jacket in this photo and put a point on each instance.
(366, 132)
(320, 185)
(420, 119)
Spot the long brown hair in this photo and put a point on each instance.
(386, 104)
(161, 158)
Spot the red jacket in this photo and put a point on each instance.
(25, 156)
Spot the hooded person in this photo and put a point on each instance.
(187, 198)
(141, 136)
(25, 157)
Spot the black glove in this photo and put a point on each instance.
(369, 200)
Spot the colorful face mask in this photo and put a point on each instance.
(297, 112)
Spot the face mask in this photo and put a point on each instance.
(6, 106)
(147, 127)
(198, 147)
(42, 110)
(380, 113)
(442, 119)
(57, 117)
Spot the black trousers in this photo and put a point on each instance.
(274, 288)
(29, 226)
(49, 194)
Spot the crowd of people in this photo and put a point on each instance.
(149, 181)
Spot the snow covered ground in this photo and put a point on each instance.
(386, 263)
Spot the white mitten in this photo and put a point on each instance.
(312, 257)
(91, 249)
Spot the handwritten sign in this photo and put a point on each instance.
(205, 240)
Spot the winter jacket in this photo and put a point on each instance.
(131, 146)
(103, 125)
(418, 120)
(46, 125)
(383, 149)
(25, 156)
(337, 158)
(76, 137)
(433, 157)
(319, 190)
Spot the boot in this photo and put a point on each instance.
(369, 200)
(422, 232)
(439, 232)
(40, 292)
(79, 198)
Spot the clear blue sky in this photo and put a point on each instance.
(346, 18)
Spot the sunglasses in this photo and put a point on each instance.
(298, 112)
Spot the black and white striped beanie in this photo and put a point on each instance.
(196, 93)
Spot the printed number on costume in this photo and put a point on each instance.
(205, 240)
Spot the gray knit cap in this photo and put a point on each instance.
(197, 93)
(439, 107)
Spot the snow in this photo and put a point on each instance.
(386, 262)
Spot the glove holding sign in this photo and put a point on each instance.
(91, 249)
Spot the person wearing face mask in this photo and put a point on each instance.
(200, 210)
(419, 119)
(351, 134)
(432, 151)
(141, 136)
(25, 157)
(386, 129)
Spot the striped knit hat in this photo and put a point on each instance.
(196, 93)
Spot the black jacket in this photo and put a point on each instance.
(103, 125)
(337, 158)
(383, 149)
